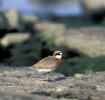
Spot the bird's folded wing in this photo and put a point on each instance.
(46, 63)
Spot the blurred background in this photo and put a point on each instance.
(32, 29)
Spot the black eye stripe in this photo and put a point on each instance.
(58, 54)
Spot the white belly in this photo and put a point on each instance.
(44, 70)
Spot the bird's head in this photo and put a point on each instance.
(57, 54)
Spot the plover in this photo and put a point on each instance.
(49, 63)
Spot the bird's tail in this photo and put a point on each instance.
(27, 67)
(30, 67)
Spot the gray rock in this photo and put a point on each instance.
(17, 96)
(3, 21)
(4, 26)
(30, 23)
(83, 39)
(25, 81)
(94, 4)
(95, 10)
(30, 19)
(14, 38)
(14, 19)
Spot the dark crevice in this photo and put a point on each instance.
(4, 53)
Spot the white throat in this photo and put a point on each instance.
(58, 56)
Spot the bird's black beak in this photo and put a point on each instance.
(63, 56)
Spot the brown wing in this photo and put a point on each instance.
(46, 63)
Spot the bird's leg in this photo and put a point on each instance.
(46, 76)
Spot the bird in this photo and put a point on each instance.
(49, 63)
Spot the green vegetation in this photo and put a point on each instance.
(87, 65)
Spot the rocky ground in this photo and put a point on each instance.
(22, 84)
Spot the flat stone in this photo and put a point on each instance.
(26, 81)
